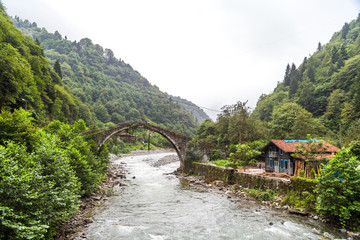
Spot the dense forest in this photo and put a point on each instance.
(28, 81)
(321, 96)
(45, 165)
(52, 91)
(112, 89)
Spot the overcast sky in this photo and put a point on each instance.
(211, 52)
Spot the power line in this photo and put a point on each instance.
(172, 99)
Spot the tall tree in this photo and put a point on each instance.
(345, 30)
(319, 47)
(295, 79)
(57, 68)
(287, 76)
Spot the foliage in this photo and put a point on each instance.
(291, 121)
(339, 190)
(312, 151)
(88, 165)
(225, 163)
(193, 153)
(114, 90)
(321, 96)
(38, 190)
(302, 195)
(236, 125)
(28, 81)
(302, 200)
(262, 195)
(43, 174)
(17, 127)
(215, 155)
(245, 155)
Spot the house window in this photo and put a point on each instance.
(286, 163)
(271, 163)
(281, 163)
(281, 152)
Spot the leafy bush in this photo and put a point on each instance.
(225, 163)
(244, 155)
(38, 190)
(300, 200)
(261, 195)
(215, 155)
(43, 174)
(339, 190)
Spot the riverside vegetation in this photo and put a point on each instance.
(53, 89)
(46, 165)
(320, 99)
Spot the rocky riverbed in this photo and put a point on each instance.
(117, 181)
(236, 193)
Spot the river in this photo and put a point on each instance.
(158, 206)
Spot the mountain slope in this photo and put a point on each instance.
(112, 87)
(27, 80)
(327, 84)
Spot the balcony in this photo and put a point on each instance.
(273, 154)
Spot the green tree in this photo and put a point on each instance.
(244, 155)
(291, 121)
(344, 31)
(287, 75)
(15, 72)
(57, 68)
(339, 190)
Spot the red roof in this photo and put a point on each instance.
(290, 145)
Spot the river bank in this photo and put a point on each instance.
(114, 184)
(239, 195)
(117, 182)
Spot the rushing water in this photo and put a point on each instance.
(157, 206)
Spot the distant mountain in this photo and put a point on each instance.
(114, 90)
(199, 114)
(327, 84)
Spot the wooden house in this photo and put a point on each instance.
(279, 156)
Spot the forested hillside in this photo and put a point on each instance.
(322, 95)
(27, 80)
(113, 89)
(45, 165)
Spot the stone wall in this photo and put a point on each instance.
(213, 172)
(228, 175)
(261, 182)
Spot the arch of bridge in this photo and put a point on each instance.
(179, 142)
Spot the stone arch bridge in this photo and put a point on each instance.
(178, 141)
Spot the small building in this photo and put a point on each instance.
(279, 156)
(129, 138)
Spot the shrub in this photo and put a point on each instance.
(339, 190)
(215, 155)
(224, 163)
(261, 195)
